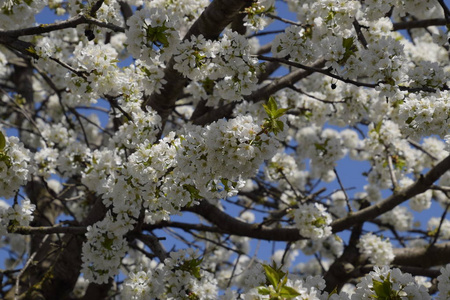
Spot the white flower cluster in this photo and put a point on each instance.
(255, 18)
(382, 61)
(400, 218)
(99, 173)
(284, 169)
(425, 114)
(385, 143)
(378, 251)
(323, 147)
(151, 33)
(227, 61)
(46, 160)
(180, 276)
(143, 127)
(337, 15)
(104, 248)
(147, 175)
(149, 76)
(143, 285)
(19, 13)
(312, 220)
(184, 11)
(309, 288)
(375, 10)
(72, 159)
(394, 283)
(18, 215)
(194, 58)
(295, 44)
(419, 202)
(444, 283)
(98, 62)
(57, 134)
(167, 176)
(217, 156)
(15, 166)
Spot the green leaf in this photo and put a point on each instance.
(31, 50)
(107, 242)
(280, 125)
(348, 43)
(409, 120)
(383, 288)
(288, 292)
(2, 141)
(263, 290)
(280, 112)
(272, 275)
(193, 191)
(272, 104)
(192, 266)
(271, 107)
(378, 126)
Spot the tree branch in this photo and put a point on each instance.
(419, 24)
(371, 212)
(27, 230)
(236, 227)
(70, 23)
(436, 255)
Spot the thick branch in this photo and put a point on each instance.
(70, 23)
(28, 230)
(233, 226)
(236, 227)
(371, 212)
(285, 81)
(420, 24)
(436, 255)
(258, 95)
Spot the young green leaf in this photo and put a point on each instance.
(272, 275)
(383, 289)
(2, 141)
(288, 292)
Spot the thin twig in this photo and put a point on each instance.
(283, 20)
(29, 230)
(27, 264)
(440, 225)
(419, 147)
(446, 10)
(70, 23)
(343, 190)
(391, 172)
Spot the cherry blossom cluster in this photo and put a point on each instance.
(15, 166)
(16, 14)
(227, 61)
(104, 248)
(180, 276)
(152, 34)
(17, 215)
(312, 220)
(394, 282)
(255, 14)
(378, 251)
(165, 177)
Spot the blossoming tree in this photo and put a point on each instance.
(130, 122)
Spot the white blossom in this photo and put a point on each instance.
(379, 251)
